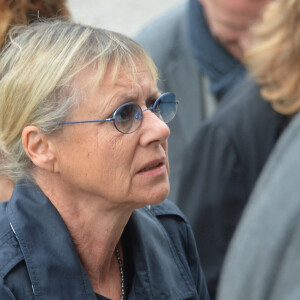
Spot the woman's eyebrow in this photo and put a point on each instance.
(154, 94)
(121, 98)
(134, 97)
(131, 98)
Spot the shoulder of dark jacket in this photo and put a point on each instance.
(244, 110)
(10, 252)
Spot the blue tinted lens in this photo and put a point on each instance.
(128, 117)
(166, 106)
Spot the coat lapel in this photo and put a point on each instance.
(158, 271)
(48, 249)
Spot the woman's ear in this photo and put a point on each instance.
(38, 148)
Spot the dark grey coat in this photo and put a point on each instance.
(263, 257)
(221, 167)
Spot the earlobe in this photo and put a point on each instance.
(38, 148)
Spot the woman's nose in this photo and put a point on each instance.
(154, 129)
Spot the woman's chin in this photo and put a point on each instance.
(151, 195)
(157, 197)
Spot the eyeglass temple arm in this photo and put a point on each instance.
(90, 121)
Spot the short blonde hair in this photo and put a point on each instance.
(274, 58)
(37, 72)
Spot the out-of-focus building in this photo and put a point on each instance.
(125, 16)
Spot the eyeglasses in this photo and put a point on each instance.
(128, 117)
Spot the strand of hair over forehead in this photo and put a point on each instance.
(44, 58)
(274, 57)
(98, 46)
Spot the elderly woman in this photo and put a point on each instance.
(83, 131)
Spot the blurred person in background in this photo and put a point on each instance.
(83, 131)
(230, 149)
(197, 48)
(263, 258)
(262, 261)
(25, 12)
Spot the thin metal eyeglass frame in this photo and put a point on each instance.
(152, 108)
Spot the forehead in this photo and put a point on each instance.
(90, 79)
(99, 98)
(126, 78)
(116, 88)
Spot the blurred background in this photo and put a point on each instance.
(125, 16)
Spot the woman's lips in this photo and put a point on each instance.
(150, 167)
(154, 168)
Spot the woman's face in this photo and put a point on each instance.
(97, 160)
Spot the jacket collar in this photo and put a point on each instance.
(54, 265)
(159, 272)
(52, 262)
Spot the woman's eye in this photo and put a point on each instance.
(122, 116)
(126, 113)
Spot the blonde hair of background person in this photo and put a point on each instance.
(25, 12)
(273, 58)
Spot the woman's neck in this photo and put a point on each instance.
(95, 238)
(96, 227)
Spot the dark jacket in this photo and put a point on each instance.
(38, 259)
(221, 167)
